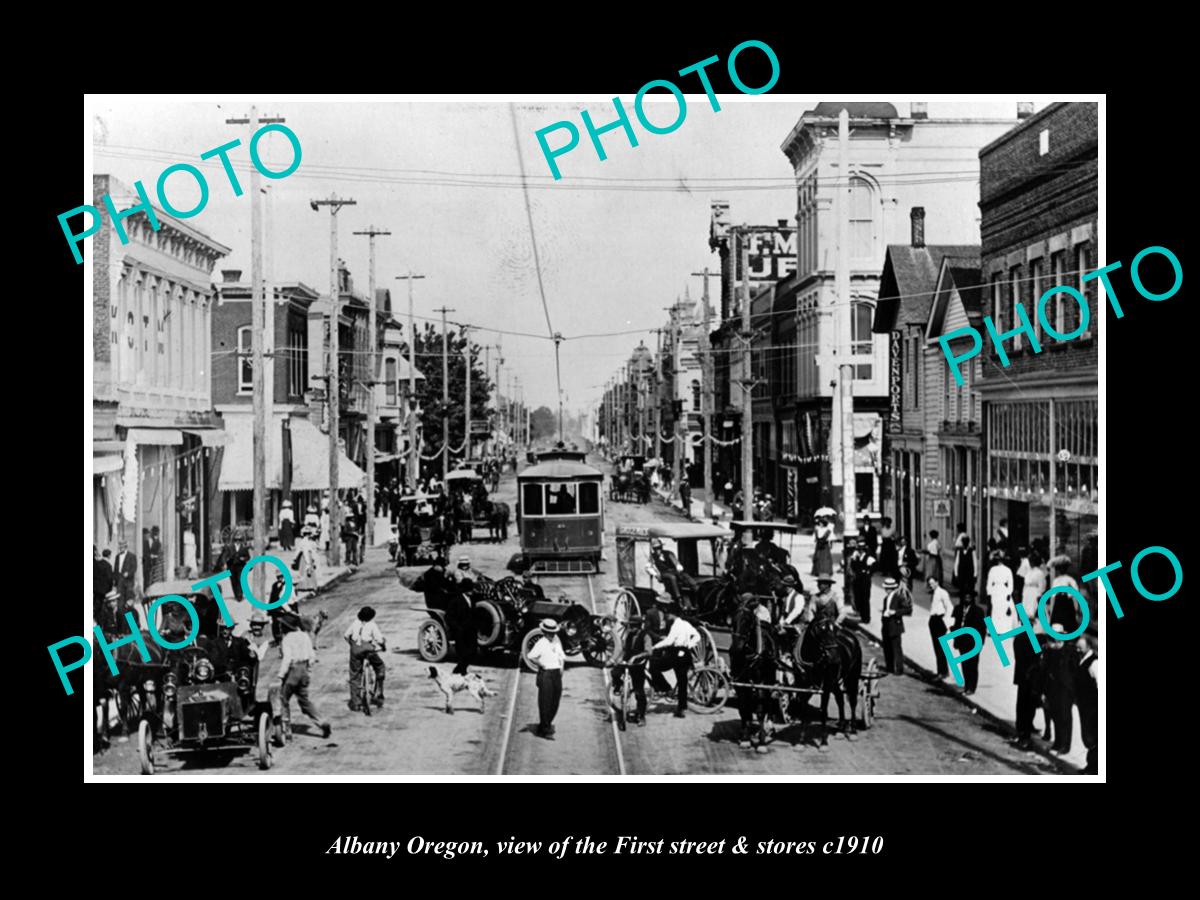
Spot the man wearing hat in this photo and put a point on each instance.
(675, 652)
(664, 566)
(897, 603)
(858, 574)
(366, 641)
(460, 615)
(287, 526)
(549, 657)
(297, 655)
(827, 602)
(792, 605)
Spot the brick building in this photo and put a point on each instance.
(296, 452)
(1038, 199)
(156, 443)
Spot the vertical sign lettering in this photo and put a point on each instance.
(896, 414)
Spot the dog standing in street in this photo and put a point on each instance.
(454, 683)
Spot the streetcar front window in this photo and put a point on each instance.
(531, 500)
(561, 499)
(589, 498)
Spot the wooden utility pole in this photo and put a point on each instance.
(747, 382)
(258, 328)
(677, 400)
(333, 390)
(658, 333)
(467, 393)
(445, 397)
(706, 398)
(845, 388)
(373, 363)
(414, 462)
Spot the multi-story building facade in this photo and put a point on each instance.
(1039, 202)
(392, 406)
(353, 376)
(896, 162)
(296, 452)
(918, 396)
(156, 442)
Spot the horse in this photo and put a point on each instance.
(836, 658)
(498, 521)
(753, 660)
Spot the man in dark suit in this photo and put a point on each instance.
(1087, 700)
(896, 604)
(125, 570)
(102, 581)
(146, 557)
(969, 614)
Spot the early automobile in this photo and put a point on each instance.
(507, 615)
(205, 705)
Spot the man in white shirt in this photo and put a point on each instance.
(297, 654)
(999, 591)
(941, 613)
(549, 658)
(365, 640)
(675, 652)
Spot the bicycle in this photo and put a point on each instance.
(364, 684)
(621, 697)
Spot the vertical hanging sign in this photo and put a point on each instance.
(895, 380)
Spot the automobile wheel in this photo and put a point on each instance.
(488, 622)
(264, 740)
(146, 747)
(527, 643)
(601, 650)
(432, 641)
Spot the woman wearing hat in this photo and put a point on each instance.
(287, 525)
(549, 657)
(823, 555)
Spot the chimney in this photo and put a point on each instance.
(918, 111)
(231, 276)
(783, 223)
(918, 226)
(1024, 109)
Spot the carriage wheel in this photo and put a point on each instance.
(265, 757)
(625, 608)
(866, 693)
(146, 747)
(432, 641)
(708, 690)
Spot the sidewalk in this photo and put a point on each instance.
(995, 696)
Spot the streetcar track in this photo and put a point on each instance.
(506, 739)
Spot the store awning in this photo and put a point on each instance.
(310, 457)
(209, 437)
(163, 437)
(103, 464)
(310, 460)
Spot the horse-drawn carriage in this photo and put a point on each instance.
(630, 482)
(472, 508)
(422, 533)
(507, 615)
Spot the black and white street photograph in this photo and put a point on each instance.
(738, 434)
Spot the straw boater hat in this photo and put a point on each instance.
(287, 503)
(890, 584)
(464, 562)
(825, 578)
(549, 626)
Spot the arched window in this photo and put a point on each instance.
(862, 219)
(695, 394)
(861, 338)
(245, 369)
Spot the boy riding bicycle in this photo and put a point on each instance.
(366, 641)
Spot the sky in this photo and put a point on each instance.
(443, 178)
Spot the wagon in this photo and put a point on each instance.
(630, 483)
